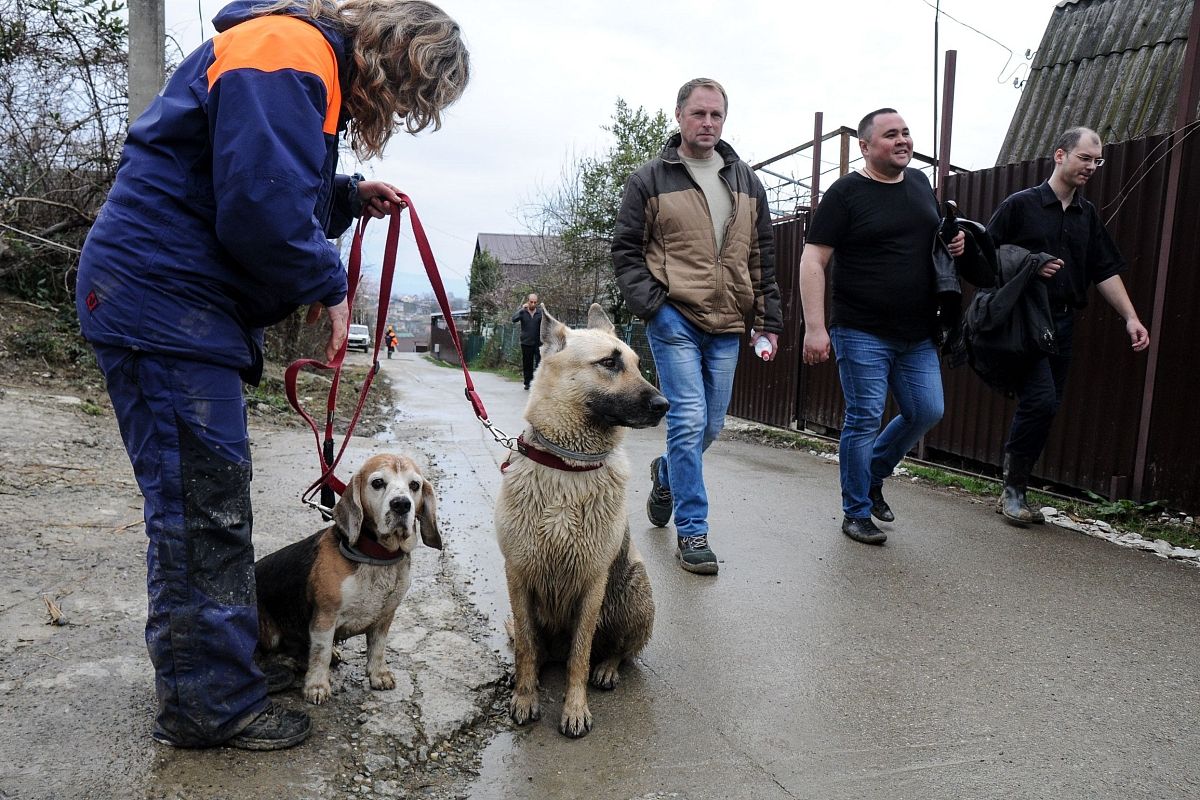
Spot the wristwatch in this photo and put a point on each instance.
(352, 194)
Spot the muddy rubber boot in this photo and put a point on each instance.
(1012, 503)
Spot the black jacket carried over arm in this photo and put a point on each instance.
(1007, 329)
(977, 265)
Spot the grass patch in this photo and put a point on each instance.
(504, 369)
(55, 342)
(270, 396)
(977, 486)
(783, 439)
(91, 409)
(268, 393)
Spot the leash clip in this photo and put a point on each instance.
(500, 436)
(326, 511)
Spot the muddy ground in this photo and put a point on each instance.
(76, 685)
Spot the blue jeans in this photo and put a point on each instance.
(1040, 396)
(695, 372)
(869, 366)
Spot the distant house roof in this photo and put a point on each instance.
(517, 248)
(1111, 65)
(522, 257)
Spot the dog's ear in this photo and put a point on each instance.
(428, 517)
(554, 333)
(599, 320)
(348, 513)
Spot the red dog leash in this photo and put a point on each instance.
(328, 484)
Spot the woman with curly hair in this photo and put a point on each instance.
(217, 226)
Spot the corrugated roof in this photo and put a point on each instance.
(1112, 65)
(518, 248)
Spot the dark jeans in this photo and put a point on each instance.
(531, 356)
(1040, 396)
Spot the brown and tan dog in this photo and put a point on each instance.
(576, 581)
(348, 578)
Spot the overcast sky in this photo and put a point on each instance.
(546, 76)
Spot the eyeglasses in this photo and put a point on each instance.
(1096, 162)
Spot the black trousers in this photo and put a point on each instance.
(531, 356)
(1041, 395)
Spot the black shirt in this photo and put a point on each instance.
(882, 240)
(531, 326)
(1035, 219)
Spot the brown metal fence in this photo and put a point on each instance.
(1095, 440)
(765, 392)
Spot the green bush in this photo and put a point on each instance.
(57, 344)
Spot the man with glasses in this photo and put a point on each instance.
(1053, 218)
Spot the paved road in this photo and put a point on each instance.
(964, 659)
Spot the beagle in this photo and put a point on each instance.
(348, 578)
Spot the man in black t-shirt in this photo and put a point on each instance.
(1052, 218)
(529, 316)
(877, 225)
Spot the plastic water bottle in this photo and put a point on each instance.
(762, 348)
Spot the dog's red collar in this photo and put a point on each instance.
(546, 458)
(368, 551)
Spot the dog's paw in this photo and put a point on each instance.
(383, 680)
(524, 709)
(605, 675)
(575, 722)
(316, 693)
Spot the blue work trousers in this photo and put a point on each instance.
(184, 425)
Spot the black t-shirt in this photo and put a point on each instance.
(882, 240)
(1035, 219)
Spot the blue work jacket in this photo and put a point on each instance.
(226, 197)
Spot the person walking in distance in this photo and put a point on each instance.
(391, 340)
(529, 317)
(694, 253)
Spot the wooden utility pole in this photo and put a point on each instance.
(147, 61)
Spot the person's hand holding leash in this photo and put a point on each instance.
(339, 325)
(377, 198)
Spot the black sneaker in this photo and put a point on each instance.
(863, 530)
(659, 504)
(275, 728)
(880, 510)
(696, 556)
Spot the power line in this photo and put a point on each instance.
(1011, 55)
